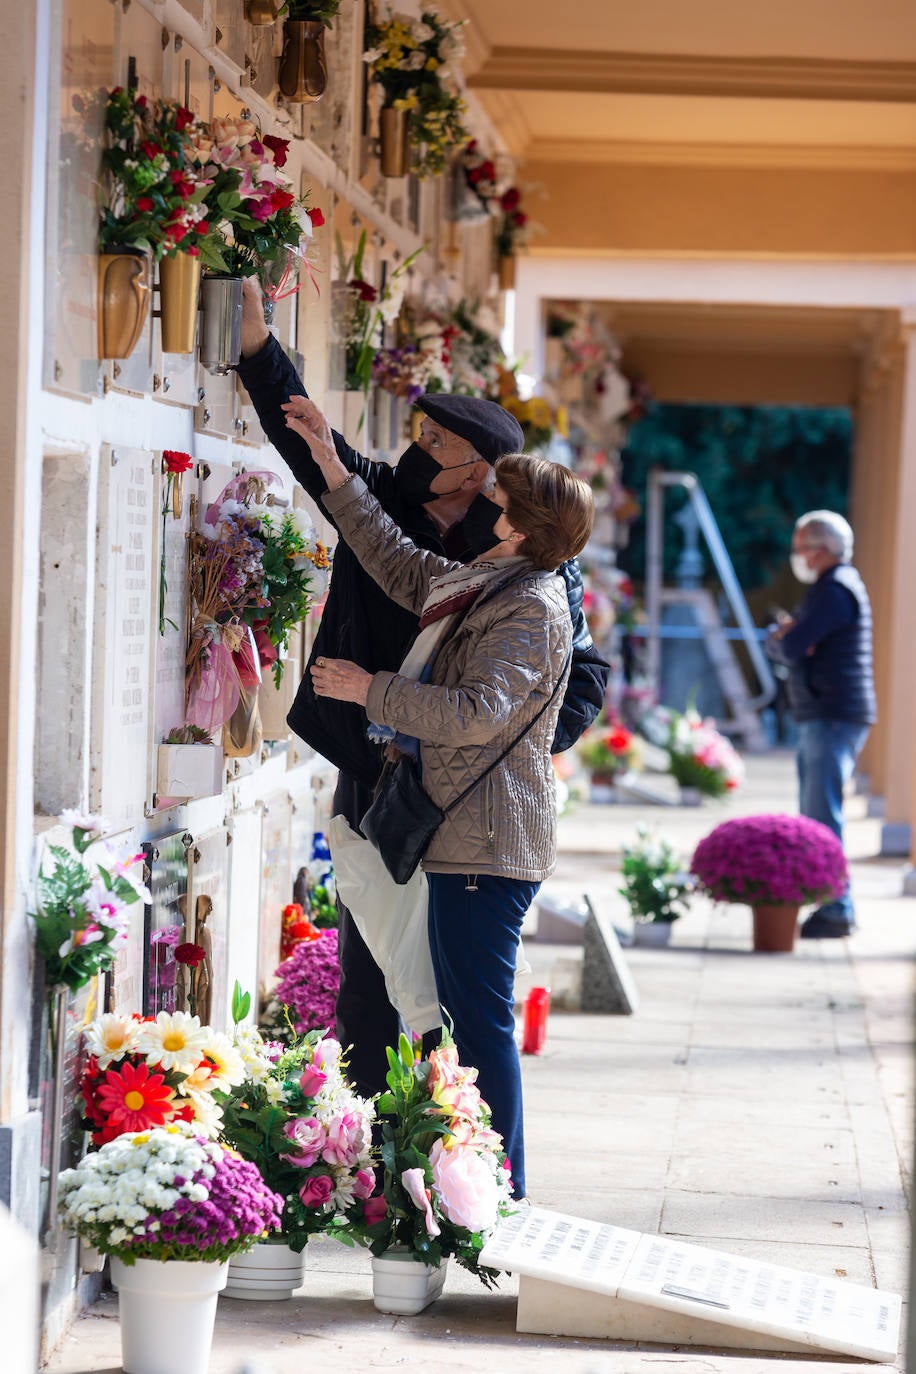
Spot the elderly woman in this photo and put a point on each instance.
(491, 656)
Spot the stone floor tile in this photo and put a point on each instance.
(802, 1220)
(764, 1177)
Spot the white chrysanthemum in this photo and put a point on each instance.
(111, 1036)
(208, 1117)
(175, 1040)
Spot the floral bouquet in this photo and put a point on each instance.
(538, 420)
(306, 989)
(143, 1073)
(422, 360)
(479, 175)
(416, 63)
(297, 1119)
(476, 355)
(608, 749)
(361, 312)
(446, 1175)
(167, 1194)
(771, 859)
(655, 884)
(700, 757)
(513, 227)
(80, 923)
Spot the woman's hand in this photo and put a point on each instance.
(340, 679)
(305, 419)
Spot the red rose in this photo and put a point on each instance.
(189, 954)
(193, 251)
(282, 200)
(520, 219)
(176, 461)
(258, 209)
(472, 146)
(278, 146)
(141, 102)
(619, 740)
(150, 150)
(510, 199)
(144, 203)
(316, 216)
(488, 171)
(183, 117)
(367, 291)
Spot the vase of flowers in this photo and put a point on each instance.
(416, 64)
(298, 1120)
(608, 750)
(170, 1207)
(446, 1179)
(656, 886)
(775, 864)
(701, 760)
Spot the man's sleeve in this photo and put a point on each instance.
(270, 379)
(832, 609)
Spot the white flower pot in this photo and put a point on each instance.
(268, 1273)
(691, 796)
(403, 1285)
(167, 1310)
(656, 933)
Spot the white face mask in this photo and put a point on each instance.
(800, 568)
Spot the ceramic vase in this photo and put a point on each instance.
(167, 1310)
(271, 1272)
(404, 1286)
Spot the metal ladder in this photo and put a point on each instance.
(744, 708)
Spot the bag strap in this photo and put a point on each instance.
(508, 750)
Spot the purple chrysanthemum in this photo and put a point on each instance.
(771, 859)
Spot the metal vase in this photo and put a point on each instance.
(506, 271)
(303, 74)
(123, 300)
(260, 14)
(394, 142)
(221, 323)
(179, 280)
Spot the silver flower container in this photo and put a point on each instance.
(221, 331)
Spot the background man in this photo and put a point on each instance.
(827, 647)
(436, 494)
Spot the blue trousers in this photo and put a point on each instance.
(827, 753)
(473, 938)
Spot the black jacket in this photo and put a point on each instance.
(359, 622)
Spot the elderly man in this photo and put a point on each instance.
(436, 494)
(827, 648)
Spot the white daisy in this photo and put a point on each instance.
(111, 1036)
(175, 1040)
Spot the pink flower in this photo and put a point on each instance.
(374, 1210)
(465, 1186)
(307, 1134)
(311, 1080)
(315, 1192)
(365, 1182)
(415, 1187)
(345, 1140)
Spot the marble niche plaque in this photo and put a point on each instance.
(171, 607)
(208, 919)
(165, 982)
(244, 900)
(584, 1278)
(126, 584)
(276, 885)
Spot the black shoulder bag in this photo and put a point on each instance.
(403, 817)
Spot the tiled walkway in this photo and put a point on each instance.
(759, 1103)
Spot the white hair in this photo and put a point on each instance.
(829, 530)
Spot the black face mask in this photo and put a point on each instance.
(416, 472)
(478, 525)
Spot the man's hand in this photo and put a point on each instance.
(254, 327)
(340, 679)
(784, 625)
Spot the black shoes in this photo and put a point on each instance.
(818, 927)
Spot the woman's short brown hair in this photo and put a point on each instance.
(552, 507)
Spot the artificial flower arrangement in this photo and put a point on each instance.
(361, 312)
(167, 1193)
(417, 64)
(771, 859)
(304, 994)
(80, 920)
(298, 1120)
(608, 749)
(479, 174)
(513, 226)
(446, 1177)
(476, 356)
(699, 756)
(655, 883)
(538, 419)
(142, 1072)
(253, 576)
(422, 360)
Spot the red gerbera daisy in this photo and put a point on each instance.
(135, 1099)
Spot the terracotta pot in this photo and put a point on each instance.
(774, 927)
(394, 142)
(260, 14)
(506, 271)
(302, 75)
(123, 300)
(179, 283)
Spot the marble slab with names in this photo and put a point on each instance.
(276, 885)
(171, 639)
(165, 981)
(586, 1278)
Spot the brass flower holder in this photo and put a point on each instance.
(303, 74)
(260, 14)
(506, 271)
(394, 142)
(179, 283)
(123, 300)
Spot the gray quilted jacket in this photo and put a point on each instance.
(492, 676)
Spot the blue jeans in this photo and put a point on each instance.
(473, 939)
(827, 753)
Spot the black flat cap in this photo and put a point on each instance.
(487, 426)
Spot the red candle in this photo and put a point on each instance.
(534, 1033)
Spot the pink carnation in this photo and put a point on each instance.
(346, 1140)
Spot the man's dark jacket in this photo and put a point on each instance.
(359, 622)
(828, 651)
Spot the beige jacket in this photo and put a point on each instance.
(492, 675)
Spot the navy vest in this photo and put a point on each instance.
(836, 682)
